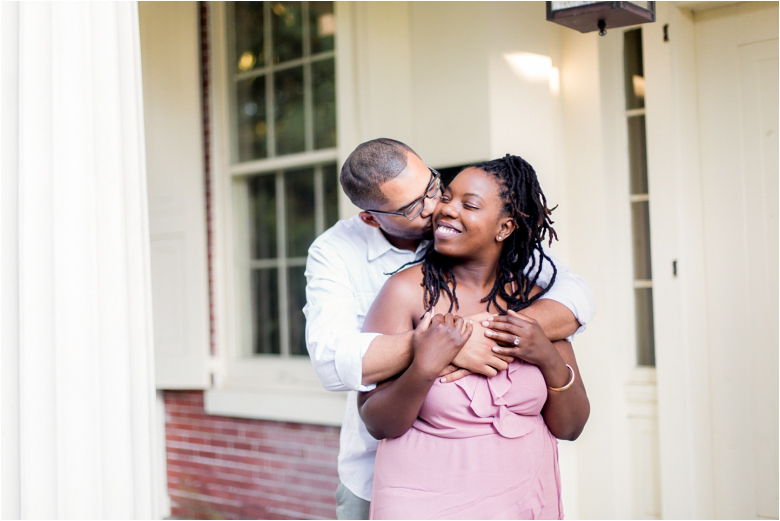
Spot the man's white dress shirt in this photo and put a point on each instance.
(346, 268)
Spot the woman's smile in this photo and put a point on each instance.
(445, 230)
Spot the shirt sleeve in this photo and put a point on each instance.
(333, 338)
(569, 289)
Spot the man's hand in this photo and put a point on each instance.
(477, 355)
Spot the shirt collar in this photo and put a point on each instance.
(378, 244)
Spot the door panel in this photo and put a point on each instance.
(759, 99)
(737, 75)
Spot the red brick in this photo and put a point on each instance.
(240, 445)
(240, 468)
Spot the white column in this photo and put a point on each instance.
(9, 316)
(75, 230)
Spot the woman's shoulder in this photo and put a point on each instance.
(405, 283)
(410, 275)
(398, 304)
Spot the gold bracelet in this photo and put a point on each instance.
(571, 381)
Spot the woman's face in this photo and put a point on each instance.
(469, 216)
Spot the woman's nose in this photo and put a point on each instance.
(447, 209)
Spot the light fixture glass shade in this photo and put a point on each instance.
(592, 16)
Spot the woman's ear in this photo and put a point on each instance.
(505, 228)
(369, 219)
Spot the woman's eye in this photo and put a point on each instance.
(444, 199)
(470, 206)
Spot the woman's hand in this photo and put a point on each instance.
(522, 337)
(436, 340)
(390, 410)
(565, 412)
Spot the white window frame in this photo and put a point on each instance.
(262, 386)
(639, 383)
(634, 199)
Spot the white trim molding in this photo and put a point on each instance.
(315, 406)
(268, 387)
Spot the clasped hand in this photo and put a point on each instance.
(521, 337)
(436, 340)
(482, 343)
(492, 345)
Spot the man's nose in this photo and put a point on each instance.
(429, 203)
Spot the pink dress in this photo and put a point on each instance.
(479, 449)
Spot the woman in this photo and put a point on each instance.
(476, 448)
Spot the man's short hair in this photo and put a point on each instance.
(368, 167)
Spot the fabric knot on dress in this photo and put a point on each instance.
(492, 398)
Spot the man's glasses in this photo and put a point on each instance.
(417, 206)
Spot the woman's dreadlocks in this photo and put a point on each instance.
(525, 202)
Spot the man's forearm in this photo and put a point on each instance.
(387, 355)
(557, 321)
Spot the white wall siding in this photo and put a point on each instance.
(450, 82)
(684, 423)
(177, 202)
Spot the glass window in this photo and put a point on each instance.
(265, 311)
(284, 78)
(645, 335)
(323, 26)
(639, 196)
(288, 111)
(287, 23)
(640, 224)
(286, 210)
(637, 154)
(283, 91)
(324, 103)
(250, 44)
(634, 69)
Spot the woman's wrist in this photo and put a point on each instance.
(556, 373)
(423, 374)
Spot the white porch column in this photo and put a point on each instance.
(78, 390)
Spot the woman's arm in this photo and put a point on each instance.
(389, 410)
(566, 414)
(567, 411)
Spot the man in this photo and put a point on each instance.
(346, 268)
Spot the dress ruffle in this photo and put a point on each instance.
(488, 400)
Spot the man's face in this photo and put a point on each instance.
(401, 192)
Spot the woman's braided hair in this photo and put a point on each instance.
(525, 202)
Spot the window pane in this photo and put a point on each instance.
(645, 338)
(251, 119)
(287, 31)
(297, 298)
(262, 204)
(330, 180)
(322, 26)
(323, 81)
(299, 200)
(248, 23)
(637, 154)
(288, 96)
(634, 69)
(265, 311)
(640, 223)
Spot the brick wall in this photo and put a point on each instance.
(234, 468)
